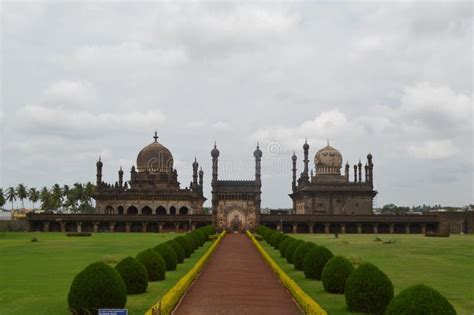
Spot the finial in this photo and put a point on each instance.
(257, 145)
(215, 144)
(120, 167)
(328, 142)
(99, 158)
(305, 139)
(195, 159)
(156, 136)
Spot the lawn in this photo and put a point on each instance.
(446, 264)
(35, 276)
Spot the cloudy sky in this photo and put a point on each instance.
(97, 78)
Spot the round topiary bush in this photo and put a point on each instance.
(133, 274)
(185, 244)
(273, 238)
(97, 286)
(290, 250)
(419, 300)
(368, 290)
(278, 240)
(315, 260)
(179, 251)
(284, 245)
(335, 274)
(168, 254)
(300, 253)
(196, 239)
(192, 241)
(202, 236)
(267, 235)
(154, 264)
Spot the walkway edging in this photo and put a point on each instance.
(168, 302)
(308, 305)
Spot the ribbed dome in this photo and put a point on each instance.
(328, 161)
(155, 158)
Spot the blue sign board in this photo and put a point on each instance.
(113, 311)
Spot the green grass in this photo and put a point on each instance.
(35, 277)
(446, 264)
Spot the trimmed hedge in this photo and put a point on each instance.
(315, 260)
(192, 241)
(133, 274)
(178, 249)
(279, 240)
(335, 274)
(185, 244)
(368, 290)
(419, 300)
(97, 286)
(154, 264)
(168, 254)
(196, 239)
(290, 250)
(300, 253)
(284, 245)
(202, 236)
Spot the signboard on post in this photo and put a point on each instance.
(113, 311)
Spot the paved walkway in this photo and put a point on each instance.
(237, 281)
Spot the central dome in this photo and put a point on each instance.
(328, 161)
(155, 158)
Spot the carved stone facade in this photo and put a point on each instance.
(329, 192)
(236, 203)
(153, 187)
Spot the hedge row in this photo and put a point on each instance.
(366, 289)
(101, 286)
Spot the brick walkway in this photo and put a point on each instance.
(237, 281)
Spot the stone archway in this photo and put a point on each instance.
(236, 221)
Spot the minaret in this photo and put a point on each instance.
(366, 173)
(215, 156)
(355, 173)
(120, 176)
(293, 183)
(195, 173)
(371, 168)
(201, 175)
(346, 171)
(360, 171)
(306, 161)
(258, 168)
(99, 165)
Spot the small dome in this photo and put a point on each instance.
(305, 145)
(257, 153)
(99, 163)
(155, 158)
(293, 157)
(328, 161)
(215, 152)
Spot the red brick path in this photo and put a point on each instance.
(237, 281)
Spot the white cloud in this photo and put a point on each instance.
(67, 93)
(433, 150)
(221, 125)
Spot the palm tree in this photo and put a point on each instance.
(11, 195)
(2, 198)
(57, 196)
(78, 195)
(33, 196)
(45, 198)
(89, 192)
(22, 194)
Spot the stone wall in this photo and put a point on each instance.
(236, 214)
(14, 225)
(194, 207)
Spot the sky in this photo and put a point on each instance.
(90, 79)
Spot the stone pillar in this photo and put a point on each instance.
(111, 227)
(79, 227)
(46, 227)
(176, 227)
(295, 228)
(63, 226)
(359, 228)
(423, 228)
(343, 228)
(392, 228)
(326, 228)
(407, 228)
(144, 227)
(376, 228)
(96, 227)
(311, 228)
(127, 225)
(160, 228)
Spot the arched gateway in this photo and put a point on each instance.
(236, 203)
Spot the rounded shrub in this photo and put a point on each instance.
(419, 300)
(168, 254)
(315, 260)
(196, 238)
(300, 253)
(273, 238)
(335, 274)
(284, 245)
(267, 235)
(368, 290)
(278, 240)
(290, 250)
(154, 264)
(133, 274)
(185, 244)
(179, 251)
(192, 241)
(97, 286)
(202, 236)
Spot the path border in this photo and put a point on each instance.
(171, 298)
(306, 303)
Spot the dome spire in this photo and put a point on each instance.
(156, 136)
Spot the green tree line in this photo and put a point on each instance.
(75, 198)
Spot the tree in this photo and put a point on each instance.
(45, 197)
(2, 198)
(22, 194)
(11, 195)
(56, 196)
(33, 196)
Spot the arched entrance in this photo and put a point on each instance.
(236, 221)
